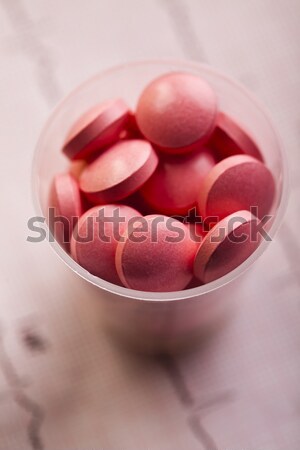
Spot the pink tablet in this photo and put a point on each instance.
(174, 186)
(99, 127)
(229, 138)
(119, 171)
(157, 255)
(67, 203)
(236, 183)
(176, 111)
(96, 236)
(226, 246)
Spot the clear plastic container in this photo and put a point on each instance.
(150, 320)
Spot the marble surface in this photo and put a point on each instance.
(63, 384)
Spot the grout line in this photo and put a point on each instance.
(36, 51)
(184, 30)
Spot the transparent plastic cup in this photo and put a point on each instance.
(152, 321)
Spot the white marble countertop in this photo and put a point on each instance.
(63, 385)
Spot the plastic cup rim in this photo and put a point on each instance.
(175, 295)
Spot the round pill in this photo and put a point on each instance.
(65, 199)
(229, 138)
(156, 255)
(95, 238)
(227, 245)
(99, 127)
(119, 171)
(236, 183)
(177, 110)
(174, 186)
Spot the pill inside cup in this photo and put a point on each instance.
(169, 164)
(156, 254)
(95, 238)
(66, 204)
(119, 171)
(227, 245)
(236, 183)
(95, 129)
(176, 111)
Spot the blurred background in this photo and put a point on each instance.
(63, 384)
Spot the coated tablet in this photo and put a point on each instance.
(227, 245)
(176, 111)
(174, 186)
(236, 183)
(118, 172)
(157, 255)
(99, 127)
(66, 200)
(95, 238)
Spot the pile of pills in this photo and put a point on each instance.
(164, 198)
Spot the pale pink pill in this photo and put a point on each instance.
(229, 138)
(236, 183)
(119, 171)
(176, 111)
(66, 201)
(174, 186)
(157, 255)
(99, 127)
(227, 245)
(96, 236)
